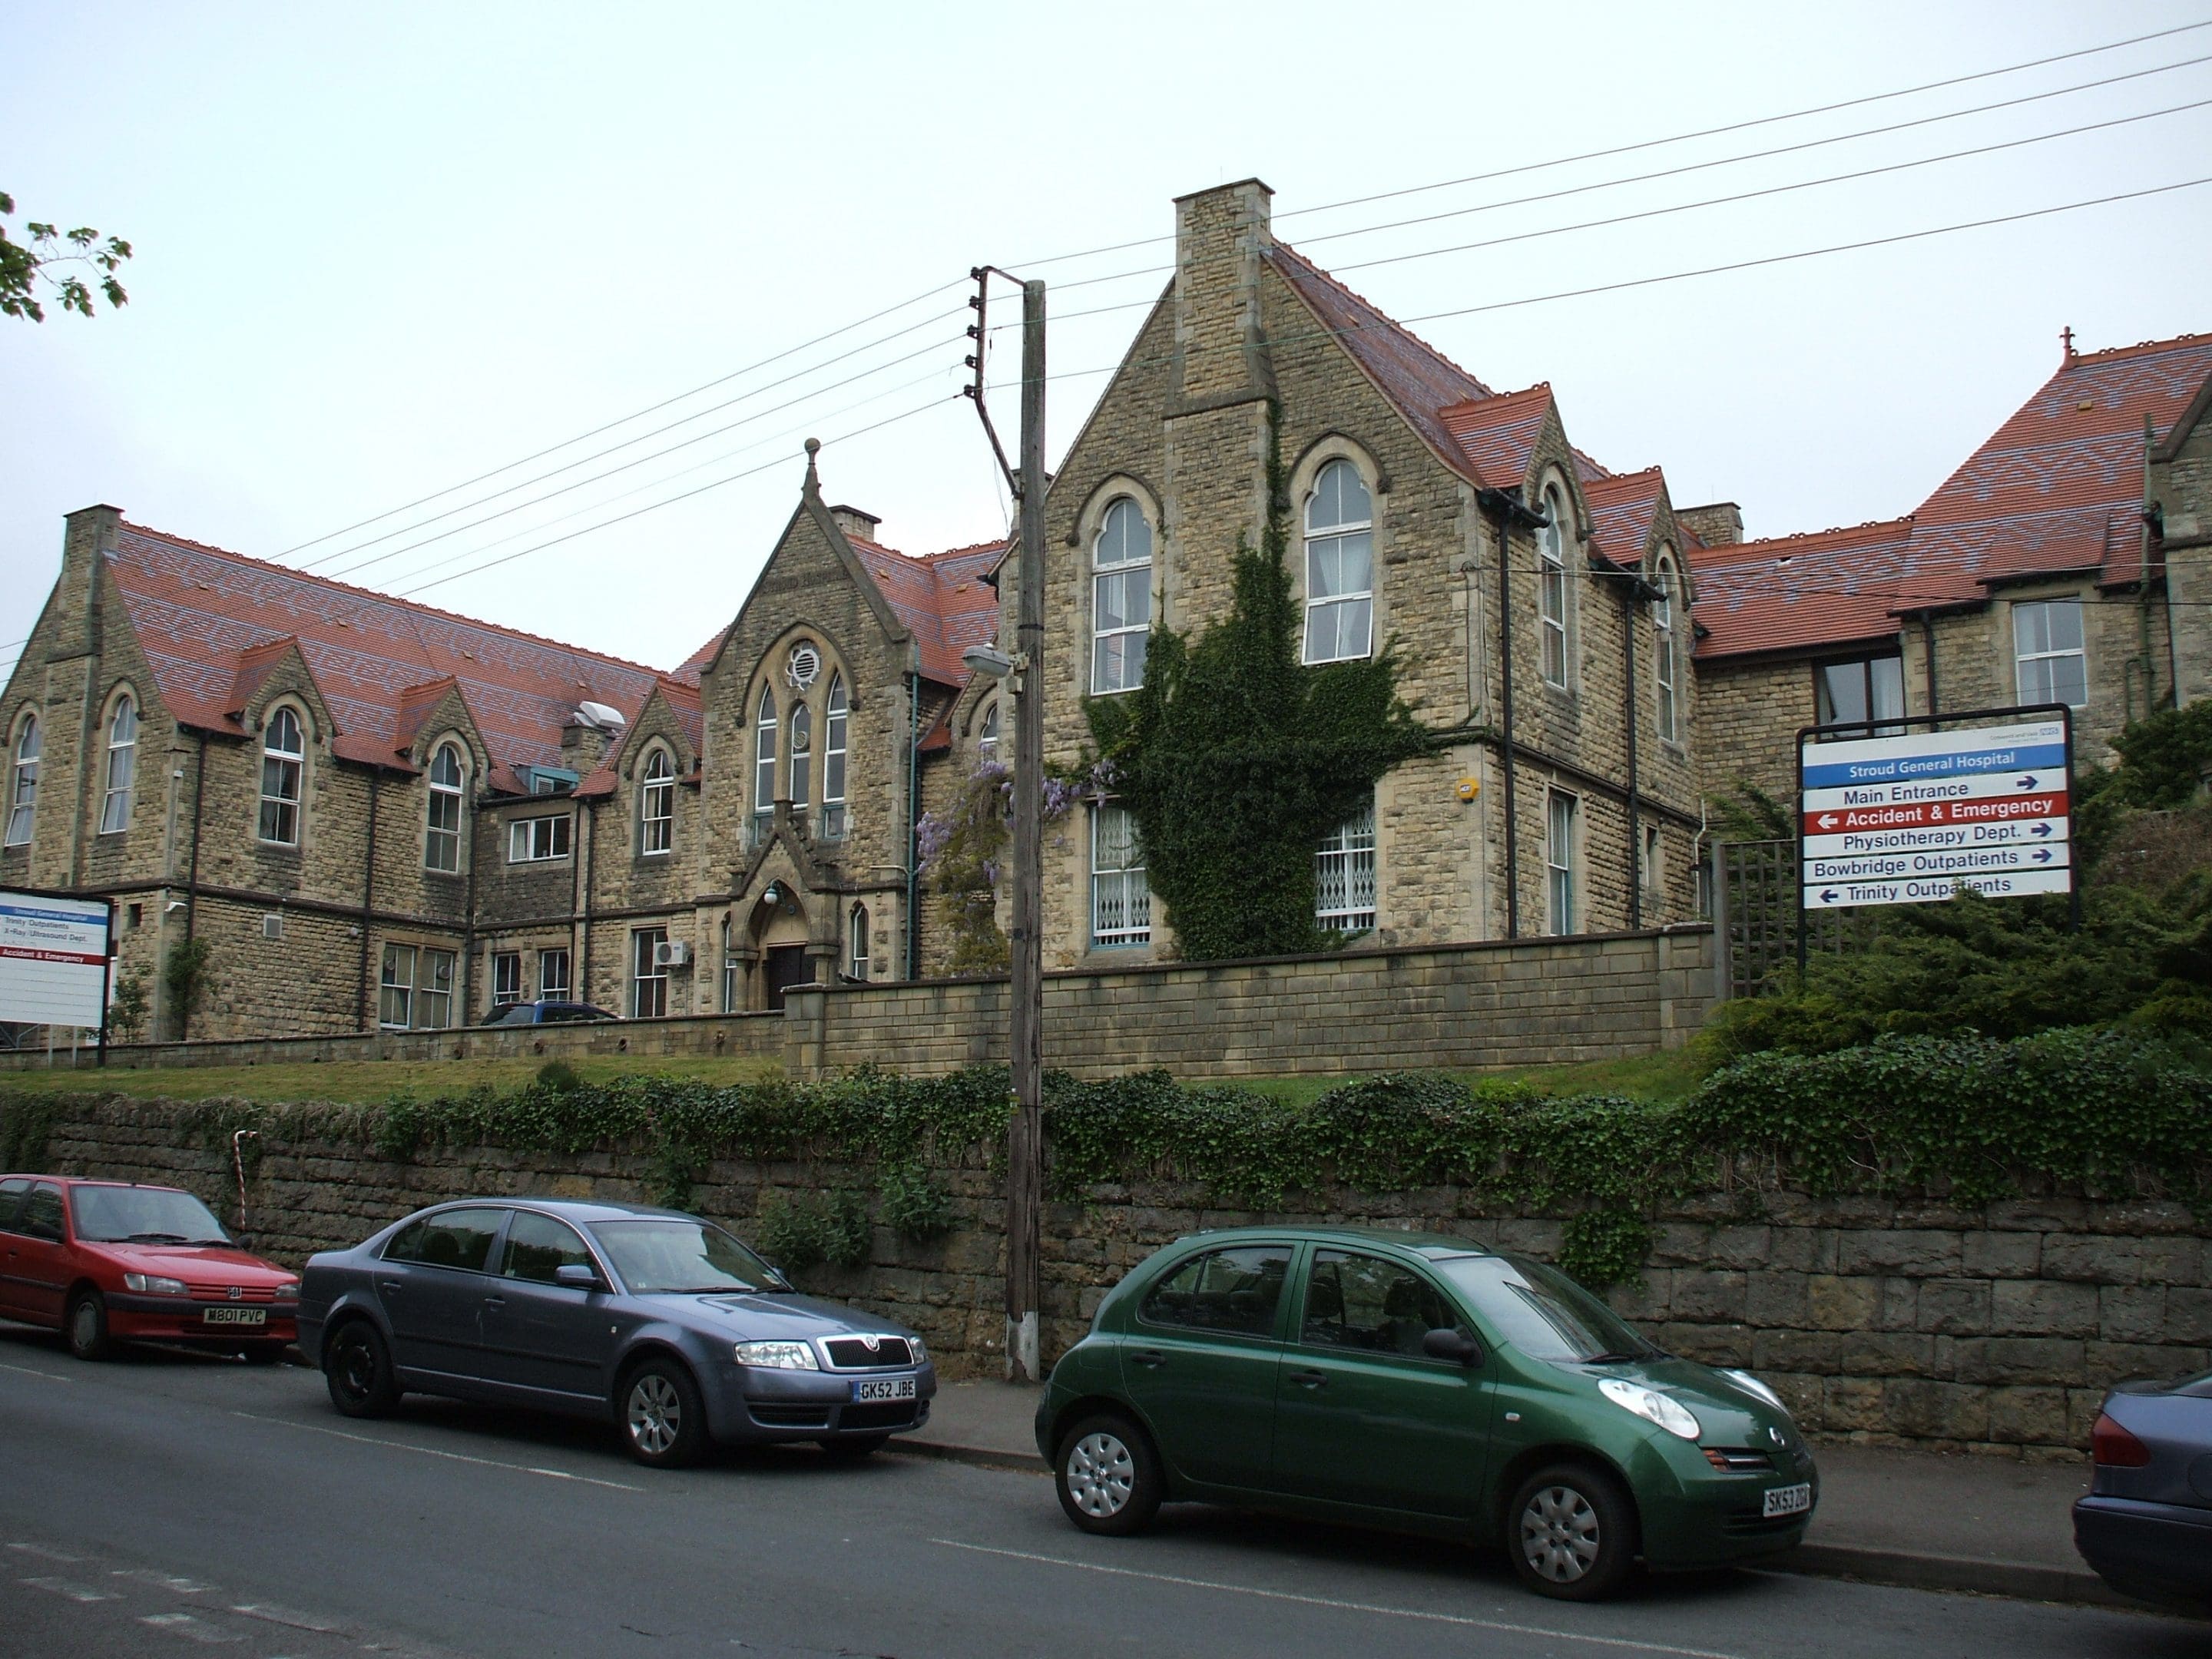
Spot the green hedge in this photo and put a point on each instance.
(2113, 1113)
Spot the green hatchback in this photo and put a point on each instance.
(1420, 1383)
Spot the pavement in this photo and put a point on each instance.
(1991, 1525)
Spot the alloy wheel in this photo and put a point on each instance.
(656, 1414)
(1101, 1474)
(1559, 1534)
(356, 1368)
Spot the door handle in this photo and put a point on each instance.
(1151, 1358)
(495, 1302)
(1310, 1379)
(389, 1286)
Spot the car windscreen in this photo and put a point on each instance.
(1541, 1312)
(668, 1254)
(143, 1215)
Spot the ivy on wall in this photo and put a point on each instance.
(2113, 1114)
(1237, 760)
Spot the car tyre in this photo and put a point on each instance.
(664, 1420)
(852, 1448)
(86, 1326)
(1108, 1475)
(357, 1366)
(1571, 1532)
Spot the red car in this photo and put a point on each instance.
(110, 1261)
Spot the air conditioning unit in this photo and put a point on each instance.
(671, 953)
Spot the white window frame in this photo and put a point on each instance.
(766, 724)
(1651, 855)
(1123, 521)
(122, 767)
(856, 944)
(537, 841)
(2043, 662)
(396, 989)
(548, 988)
(1344, 875)
(1562, 859)
(283, 777)
(649, 980)
(1667, 652)
(656, 807)
(434, 990)
(505, 978)
(1338, 537)
(23, 782)
(836, 726)
(442, 815)
(1554, 599)
(1121, 893)
(1877, 722)
(987, 735)
(729, 967)
(799, 768)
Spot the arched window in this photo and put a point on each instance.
(23, 784)
(1121, 599)
(122, 767)
(1552, 587)
(834, 714)
(442, 836)
(802, 754)
(856, 943)
(1339, 566)
(283, 757)
(656, 806)
(764, 728)
(987, 735)
(1668, 652)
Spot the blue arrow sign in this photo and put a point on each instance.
(2041, 829)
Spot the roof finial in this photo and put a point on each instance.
(813, 483)
(2066, 335)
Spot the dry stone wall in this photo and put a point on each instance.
(1994, 1328)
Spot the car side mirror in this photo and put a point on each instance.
(1457, 1346)
(577, 1277)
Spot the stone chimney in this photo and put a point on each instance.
(854, 522)
(1716, 524)
(1220, 354)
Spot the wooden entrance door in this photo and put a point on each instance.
(786, 967)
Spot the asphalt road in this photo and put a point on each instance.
(168, 1503)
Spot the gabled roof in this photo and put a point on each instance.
(941, 598)
(1624, 510)
(2057, 490)
(212, 624)
(1497, 436)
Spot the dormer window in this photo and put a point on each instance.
(284, 759)
(656, 806)
(1551, 587)
(441, 838)
(1339, 566)
(1667, 652)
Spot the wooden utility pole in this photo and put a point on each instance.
(1025, 1133)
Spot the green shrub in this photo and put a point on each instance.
(914, 1206)
(796, 1233)
(558, 1076)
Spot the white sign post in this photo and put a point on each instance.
(1918, 816)
(54, 961)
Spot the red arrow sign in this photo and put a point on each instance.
(1994, 809)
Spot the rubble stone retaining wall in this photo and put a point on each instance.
(1994, 1328)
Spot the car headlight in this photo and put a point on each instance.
(916, 1350)
(1669, 1413)
(154, 1285)
(1751, 1385)
(777, 1356)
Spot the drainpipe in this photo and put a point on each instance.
(192, 878)
(914, 823)
(368, 1013)
(587, 813)
(1631, 591)
(1928, 650)
(469, 927)
(1506, 508)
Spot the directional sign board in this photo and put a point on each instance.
(1912, 818)
(53, 960)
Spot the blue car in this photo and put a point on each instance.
(2146, 1525)
(662, 1322)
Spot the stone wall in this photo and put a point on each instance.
(1995, 1328)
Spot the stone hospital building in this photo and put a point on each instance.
(364, 812)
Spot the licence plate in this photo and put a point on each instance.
(884, 1387)
(235, 1316)
(1789, 1500)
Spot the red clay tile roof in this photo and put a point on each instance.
(212, 623)
(941, 598)
(2056, 490)
(1623, 509)
(1495, 436)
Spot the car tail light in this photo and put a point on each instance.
(2112, 1447)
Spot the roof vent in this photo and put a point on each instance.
(605, 717)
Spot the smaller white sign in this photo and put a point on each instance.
(1915, 838)
(1931, 890)
(53, 960)
(1935, 861)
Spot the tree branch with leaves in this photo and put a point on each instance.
(29, 268)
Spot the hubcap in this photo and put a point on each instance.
(87, 1325)
(1101, 1474)
(1558, 1534)
(656, 1414)
(356, 1369)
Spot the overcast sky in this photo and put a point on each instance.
(383, 250)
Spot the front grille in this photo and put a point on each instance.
(895, 1414)
(789, 1416)
(261, 1294)
(850, 1353)
(1750, 1524)
(1738, 1460)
